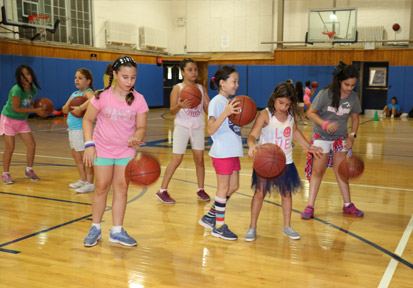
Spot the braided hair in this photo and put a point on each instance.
(19, 74)
(120, 62)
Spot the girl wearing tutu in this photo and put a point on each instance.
(276, 124)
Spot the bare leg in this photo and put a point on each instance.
(256, 205)
(104, 175)
(344, 187)
(120, 195)
(170, 170)
(28, 140)
(234, 183)
(223, 185)
(9, 143)
(287, 204)
(318, 170)
(199, 166)
(78, 156)
(90, 176)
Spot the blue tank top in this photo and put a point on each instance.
(73, 122)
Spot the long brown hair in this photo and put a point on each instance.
(284, 90)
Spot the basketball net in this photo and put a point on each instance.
(330, 37)
(40, 20)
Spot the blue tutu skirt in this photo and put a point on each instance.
(287, 183)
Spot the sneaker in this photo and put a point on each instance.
(7, 179)
(30, 174)
(165, 197)
(308, 213)
(392, 116)
(224, 233)
(250, 236)
(88, 187)
(203, 195)
(207, 222)
(352, 210)
(92, 237)
(291, 233)
(77, 184)
(123, 238)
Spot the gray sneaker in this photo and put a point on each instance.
(291, 233)
(224, 233)
(207, 222)
(250, 236)
(92, 237)
(86, 188)
(123, 238)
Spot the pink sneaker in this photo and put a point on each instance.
(7, 179)
(30, 174)
(203, 195)
(352, 210)
(308, 213)
(165, 197)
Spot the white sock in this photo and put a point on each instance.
(346, 204)
(28, 169)
(5, 173)
(97, 225)
(116, 229)
(162, 190)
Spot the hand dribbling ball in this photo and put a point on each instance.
(142, 170)
(351, 168)
(44, 102)
(269, 161)
(314, 84)
(77, 101)
(191, 93)
(248, 111)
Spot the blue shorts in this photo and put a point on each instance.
(109, 161)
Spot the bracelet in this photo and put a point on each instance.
(324, 126)
(89, 144)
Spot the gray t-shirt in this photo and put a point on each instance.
(323, 105)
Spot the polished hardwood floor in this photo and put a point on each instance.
(43, 224)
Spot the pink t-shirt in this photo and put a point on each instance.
(116, 123)
(307, 97)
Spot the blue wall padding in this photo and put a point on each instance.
(56, 77)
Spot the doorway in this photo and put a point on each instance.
(374, 85)
(172, 76)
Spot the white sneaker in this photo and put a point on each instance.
(86, 188)
(392, 116)
(77, 184)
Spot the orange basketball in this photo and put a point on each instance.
(248, 111)
(142, 170)
(44, 102)
(191, 93)
(314, 84)
(351, 167)
(77, 101)
(269, 161)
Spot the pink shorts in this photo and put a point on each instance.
(225, 166)
(11, 127)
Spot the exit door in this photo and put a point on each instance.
(172, 76)
(374, 85)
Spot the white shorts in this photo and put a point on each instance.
(327, 146)
(181, 137)
(76, 140)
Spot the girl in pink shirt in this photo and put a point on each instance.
(121, 115)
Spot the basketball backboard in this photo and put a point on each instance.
(32, 13)
(335, 25)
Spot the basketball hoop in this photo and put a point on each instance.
(40, 22)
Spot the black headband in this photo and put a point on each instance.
(122, 61)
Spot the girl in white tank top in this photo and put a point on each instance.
(276, 125)
(189, 126)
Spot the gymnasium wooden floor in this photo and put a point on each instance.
(43, 224)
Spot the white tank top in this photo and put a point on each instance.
(280, 133)
(191, 117)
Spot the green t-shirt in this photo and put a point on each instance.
(26, 100)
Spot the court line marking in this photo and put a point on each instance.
(391, 268)
(108, 208)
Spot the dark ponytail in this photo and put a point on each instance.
(341, 72)
(222, 73)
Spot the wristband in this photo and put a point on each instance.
(324, 126)
(89, 144)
